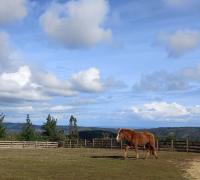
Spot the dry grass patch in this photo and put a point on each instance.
(89, 164)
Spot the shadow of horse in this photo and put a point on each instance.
(112, 157)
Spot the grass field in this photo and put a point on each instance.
(78, 164)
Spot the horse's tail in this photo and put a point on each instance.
(152, 143)
(153, 147)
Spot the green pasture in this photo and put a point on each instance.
(87, 164)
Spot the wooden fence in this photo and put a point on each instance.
(28, 144)
(182, 146)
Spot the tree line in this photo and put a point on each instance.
(49, 131)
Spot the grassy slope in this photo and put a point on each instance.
(88, 164)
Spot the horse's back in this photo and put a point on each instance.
(145, 137)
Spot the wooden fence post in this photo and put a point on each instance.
(93, 143)
(157, 145)
(187, 145)
(35, 144)
(121, 144)
(85, 142)
(172, 145)
(77, 143)
(111, 143)
(70, 143)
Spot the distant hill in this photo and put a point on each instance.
(92, 134)
(164, 133)
(177, 132)
(16, 128)
(97, 132)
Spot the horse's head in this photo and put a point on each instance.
(120, 135)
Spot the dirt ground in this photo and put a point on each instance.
(194, 169)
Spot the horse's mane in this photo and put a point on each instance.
(127, 130)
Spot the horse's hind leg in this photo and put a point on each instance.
(126, 151)
(154, 152)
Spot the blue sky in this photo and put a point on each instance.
(110, 63)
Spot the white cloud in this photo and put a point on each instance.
(18, 109)
(12, 10)
(17, 85)
(25, 84)
(180, 42)
(162, 81)
(179, 3)
(61, 108)
(52, 86)
(161, 111)
(77, 24)
(21, 77)
(19, 82)
(88, 80)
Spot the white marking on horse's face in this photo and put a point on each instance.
(118, 137)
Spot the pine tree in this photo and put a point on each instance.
(2, 128)
(28, 132)
(49, 128)
(73, 129)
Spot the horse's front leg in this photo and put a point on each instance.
(126, 151)
(136, 151)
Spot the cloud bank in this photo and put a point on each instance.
(12, 10)
(163, 111)
(161, 81)
(77, 24)
(179, 42)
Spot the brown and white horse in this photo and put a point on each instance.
(136, 139)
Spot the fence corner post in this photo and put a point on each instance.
(111, 143)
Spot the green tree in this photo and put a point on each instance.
(73, 129)
(60, 135)
(28, 132)
(2, 128)
(49, 128)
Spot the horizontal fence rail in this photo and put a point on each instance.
(28, 144)
(182, 146)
